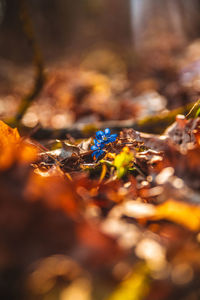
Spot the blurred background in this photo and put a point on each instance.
(65, 28)
(140, 51)
(64, 63)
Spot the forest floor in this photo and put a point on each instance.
(100, 181)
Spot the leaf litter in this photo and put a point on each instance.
(114, 215)
(125, 208)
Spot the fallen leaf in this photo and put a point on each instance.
(182, 213)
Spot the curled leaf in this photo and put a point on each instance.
(122, 162)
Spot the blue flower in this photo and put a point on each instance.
(97, 147)
(102, 138)
(109, 138)
(97, 152)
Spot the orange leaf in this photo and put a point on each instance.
(56, 191)
(13, 148)
(27, 153)
(9, 140)
(182, 213)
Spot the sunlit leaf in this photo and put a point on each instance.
(103, 173)
(135, 287)
(9, 140)
(182, 213)
(13, 148)
(122, 162)
(27, 153)
(55, 190)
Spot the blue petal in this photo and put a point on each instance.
(94, 147)
(97, 143)
(102, 145)
(106, 142)
(100, 152)
(100, 135)
(94, 153)
(107, 132)
(97, 153)
(113, 137)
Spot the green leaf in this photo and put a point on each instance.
(122, 162)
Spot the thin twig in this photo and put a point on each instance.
(37, 59)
